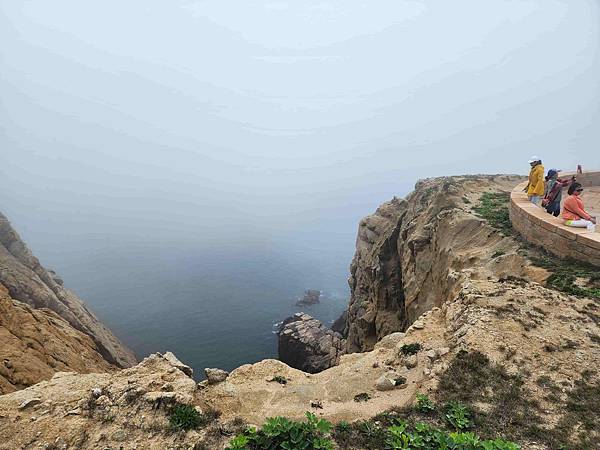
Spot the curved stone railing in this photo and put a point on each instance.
(549, 232)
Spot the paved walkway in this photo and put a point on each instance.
(591, 200)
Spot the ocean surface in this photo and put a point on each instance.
(212, 308)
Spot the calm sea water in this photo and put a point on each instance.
(212, 307)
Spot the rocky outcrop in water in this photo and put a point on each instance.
(306, 344)
(29, 282)
(37, 343)
(311, 297)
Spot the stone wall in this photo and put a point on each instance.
(549, 232)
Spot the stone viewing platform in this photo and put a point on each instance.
(549, 232)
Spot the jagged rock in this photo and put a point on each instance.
(306, 344)
(311, 297)
(476, 309)
(37, 343)
(30, 402)
(29, 282)
(339, 324)
(215, 375)
(407, 253)
(178, 364)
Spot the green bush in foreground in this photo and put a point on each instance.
(281, 433)
(184, 417)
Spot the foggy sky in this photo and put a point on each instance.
(274, 121)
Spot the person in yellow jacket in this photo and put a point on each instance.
(535, 187)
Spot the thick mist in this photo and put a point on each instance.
(191, 166)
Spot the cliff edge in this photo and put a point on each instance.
(29, 282)
(37, 343)
(446, 301)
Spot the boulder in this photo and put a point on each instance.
(306, 344)
(215, 375)
(384, 383)
(178, 364)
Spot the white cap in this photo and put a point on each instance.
(534, 159)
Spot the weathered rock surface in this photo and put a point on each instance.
(311, 297)
(214, 376)
(528, 329)
(306, 344)
(36, 343)
(415, 253)
(29, 282)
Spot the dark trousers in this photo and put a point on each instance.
(553, 208)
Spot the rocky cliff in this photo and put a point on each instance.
(306, 344)
(29, 282)
(413, 254)
(479, 326)
(37, 343)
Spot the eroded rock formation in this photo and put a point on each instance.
(306, 344)
(36, 343)
(414, 254)
(480, 293)
(29, 282)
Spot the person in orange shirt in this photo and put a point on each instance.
(573, 212)
(535, 187)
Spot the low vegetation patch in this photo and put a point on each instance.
(410, 349)
(282, 433)
(570, 276)
(386, 431)
(509, 411)
(278, 379)
(187, 417)
(493, 207)
(362, 397)
(184, 417)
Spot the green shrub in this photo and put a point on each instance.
(184, 417)
(279, 379)
(343, 427)
(282, 433)
(424, 404)
(410, 349)
(362, 397)
(458, 415)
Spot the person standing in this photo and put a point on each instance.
(535, 187)
(553, 192)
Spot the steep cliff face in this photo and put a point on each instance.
(428, 252)
(414, 254)
(29, 282)
(37, 343)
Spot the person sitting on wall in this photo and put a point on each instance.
(535, 187)
(573, 212)
(553, 192)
